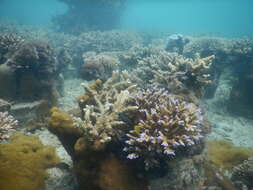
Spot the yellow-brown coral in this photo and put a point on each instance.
(23, 162)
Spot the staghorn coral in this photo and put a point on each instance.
(98, 66)
(7, 125)
(175, 72)
(165, 123)
(101, 122)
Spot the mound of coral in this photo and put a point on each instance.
(23, 162)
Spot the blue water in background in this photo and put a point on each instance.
(217, 17)
(220, 17)
(35, 12)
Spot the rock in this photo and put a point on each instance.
(60, 179)
(176, 43)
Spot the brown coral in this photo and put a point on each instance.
(23, 162)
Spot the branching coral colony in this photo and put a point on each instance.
(165, 123)
(145, 123)
(102, 118)
(174, 72)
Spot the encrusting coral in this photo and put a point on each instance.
(165, 123)
(23, 162)
(7, 125)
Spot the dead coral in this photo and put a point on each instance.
(23, 162)
(7, 125)
(165, 123)
(98, 66)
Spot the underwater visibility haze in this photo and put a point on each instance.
(124, 94)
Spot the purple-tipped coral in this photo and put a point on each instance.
(7, 124)
(165, 123)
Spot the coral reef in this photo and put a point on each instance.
(35, 56)
(244, 173)
(98, 66)
(23, 162)
(7, 125)
(166, 122)
(89, 15)
(31, 69)
(175, 72)
(150, 124)
(8, 43)
(225, 155)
